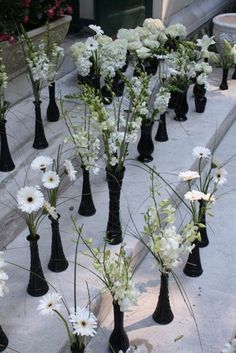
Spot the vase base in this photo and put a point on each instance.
(52, 120)
(145, 159)
(192, 271)
(58, 265)
(203, 243)
(38, 292)
(163, 320)
(7, 167)
(40, 146)
(161, 138)
(87, 212)
(114, 238)
(224, 87)
(180, 118)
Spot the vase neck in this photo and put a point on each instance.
(118, 316)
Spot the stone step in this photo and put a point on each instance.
(19, 312)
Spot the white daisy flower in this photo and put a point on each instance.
(188, 175)
(70, 170)
(50, 210)
(49, 302)
(230, 347)
(84, 322)
(220, 176)
(194, 195)
(201, 152)
(91, 44)
(208, 197)
(29, 199)
(41, 163)
(50, 180)
(96, 29)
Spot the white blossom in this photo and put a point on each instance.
(29, 199)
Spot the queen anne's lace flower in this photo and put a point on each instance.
(29, 199)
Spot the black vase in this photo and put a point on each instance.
(53, 113)
(150, 65)
(118, 85)
(3, 340)
(145, 145)
(37, 285)
(86, 207)
(199, 92)
(76, 349)
(172, 100)
(234, 74)
(224, 84)
(161, 134)
(6, 162)
(57, 262)
(163, 314)
(40, 141)
(114, 231)
(202, 219)
(118, 340)
(193, 267)
(181, 105)
(94, 81)
(106, 94)
(205, 60)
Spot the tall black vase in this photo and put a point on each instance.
(57, 262)
(181, 105)
(224, 84)
(199, 92)
(118, 85)
(75, 349)
(161, 134)
(163, 314)
(86, 207)
(40, 141)
(193, 267)
(53, 113)
(6, 162)
(234, 74)
(114, 231)
(3, 340)
(145, 145)
(118, 340)
(37, 285)
(202, 219)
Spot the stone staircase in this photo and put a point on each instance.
(30, 333)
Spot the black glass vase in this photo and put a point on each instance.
(86, 207)
(202, 219)
(181, 105)
(40, 141)
(199, 92)
(77, 349)
(172, 100)
(3, 340)
(234, 74)
(163, 314)
(114, 231)
(53, 113)
(118, 85)
(145, 145)
(6, 162)
(58, 261)
(224, 83)
(118, 340)
(161, 134)
(193, 267)
(37, 285)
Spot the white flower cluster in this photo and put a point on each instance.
(3, 276)
(113, 57)
(202, 71)
(204, 44)
(56, 55)
(38, 65)
(162, 100)
(81, 56)
(166, 243)
(117, 273)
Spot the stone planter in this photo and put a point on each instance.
(224, 28)
(13, 56)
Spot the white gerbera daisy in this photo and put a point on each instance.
(50, 210)
(41, 163)
(208, 197)
(96, 29)
(194, 195)
(84, 322)
(230, 347)
(220, 176)
(50, 180)
(188, 175)
(49, 302)
(201, 152)
(29, 199)
(70, 170)
(91, 44)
